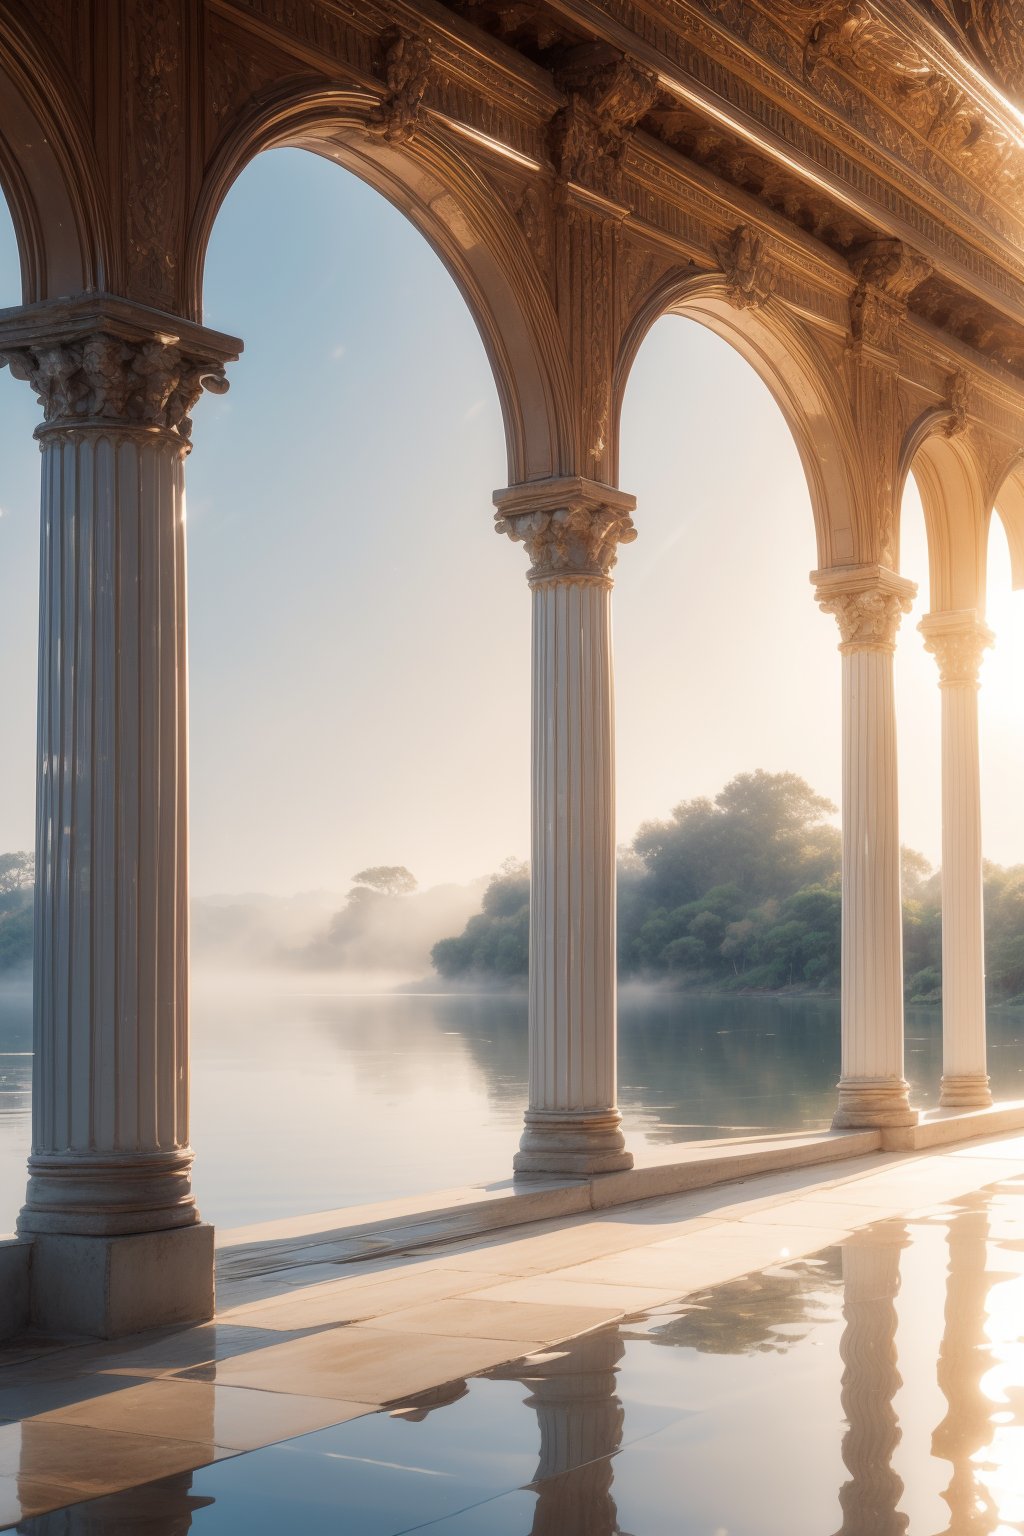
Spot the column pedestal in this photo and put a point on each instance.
(868, 602)
(571, 530)
(957, 640)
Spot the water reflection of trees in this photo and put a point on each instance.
(758, 1314)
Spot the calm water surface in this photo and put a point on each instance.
(873, 1389)
(307, 1101)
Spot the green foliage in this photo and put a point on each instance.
(16, 881)
(496, 942)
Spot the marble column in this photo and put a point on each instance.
(868, 602)
(111, 1162)
(571, 529)
(957, 640)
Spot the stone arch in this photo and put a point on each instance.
(49, 174)
(801, 380)
(952, 489)
(465, 221)
(1008, 504)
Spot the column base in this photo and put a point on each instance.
(869, 1102)
(105, 1287)
(108, 1195)
(967, 1090)
(559, 1142)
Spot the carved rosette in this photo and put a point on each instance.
(867, 603)
(958, 641)
(100, 378)
(571, 529)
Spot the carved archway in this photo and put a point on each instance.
(800, 378)
(938, 451)
(476, 237)
(49, 175)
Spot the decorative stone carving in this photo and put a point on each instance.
(993, 31)
(957, 640)
(571, 529)
(887, 274)
(608, 94)
(406, 74)
(153, 143)
(958, 398)
(102, 378)
(867, 603)
(750, 273)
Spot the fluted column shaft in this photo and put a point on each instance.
(110, 1144)
(868, 602)
(571, 529)
(957, 639)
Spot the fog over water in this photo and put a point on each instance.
(312, 1092)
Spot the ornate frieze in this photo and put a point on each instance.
(958, 641)
(153, 145)
(867, 603)
(570, 528)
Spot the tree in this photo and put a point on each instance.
(387, 879)
(17, 872)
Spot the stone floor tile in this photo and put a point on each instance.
(347, 1303)
(362, 1365)
(820, 1212)
(94, 1460)
(237, 1418)
(462, 1317)
(543, 1290)
(20, 1499)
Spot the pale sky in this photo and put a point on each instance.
(359, 636)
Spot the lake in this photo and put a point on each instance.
(307, 1100)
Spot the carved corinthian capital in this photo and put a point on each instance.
(99, 362)
(867, 602)
(571, 528)
(957, 640)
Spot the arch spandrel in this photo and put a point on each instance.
(49, 173)
(803, 380)
(439, 189)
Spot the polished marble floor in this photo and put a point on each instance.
(854, 1365)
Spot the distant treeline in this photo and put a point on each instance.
(16, 880)
(742, 893)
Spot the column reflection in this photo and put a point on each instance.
(964, 1360)
(164, 1508)
(870, 1497)
(581, 1420)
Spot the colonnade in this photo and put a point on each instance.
(110, 1170)
(572, 530)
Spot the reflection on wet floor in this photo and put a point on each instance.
(869, 1390)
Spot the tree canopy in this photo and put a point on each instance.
(387, 879)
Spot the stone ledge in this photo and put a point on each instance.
(364, 1232)
(943, 1127)
(15, 1269)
